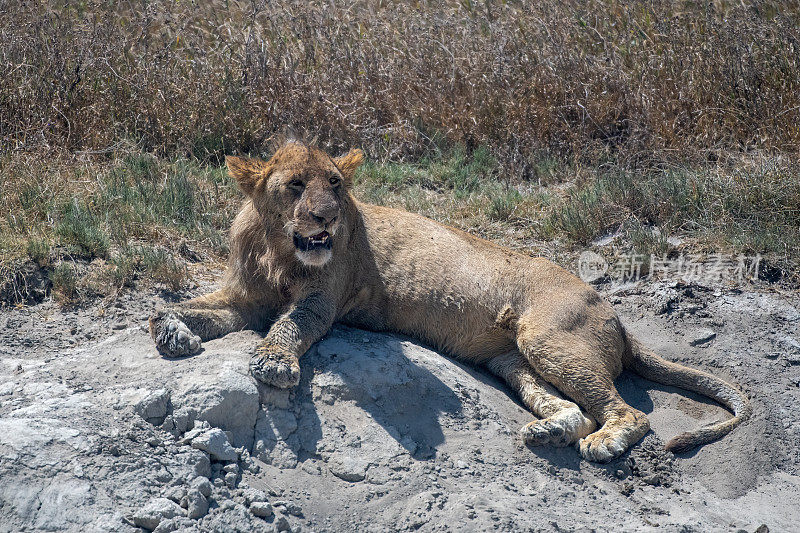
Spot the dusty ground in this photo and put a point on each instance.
(99, 433)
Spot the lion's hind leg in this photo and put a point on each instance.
(585, 372)
(623, 426)
(561, 422)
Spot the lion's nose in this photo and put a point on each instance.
(325, 216)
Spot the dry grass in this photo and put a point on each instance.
(640, 81)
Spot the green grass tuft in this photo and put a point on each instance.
(65, 282)
(81, 230)
(142, 261)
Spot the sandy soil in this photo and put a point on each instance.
(99, 433)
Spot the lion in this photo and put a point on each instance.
(304, 253)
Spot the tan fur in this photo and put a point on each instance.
(529, 321)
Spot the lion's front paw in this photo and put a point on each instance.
(274, 366)
(173, 338)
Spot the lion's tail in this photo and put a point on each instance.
(650, 366)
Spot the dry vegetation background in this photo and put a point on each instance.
(543, 125)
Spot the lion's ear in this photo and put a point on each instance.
(248, 173)
(349, 163)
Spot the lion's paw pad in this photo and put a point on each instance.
(174, 338)
(282, 372)
(602, 446)
(561, 429)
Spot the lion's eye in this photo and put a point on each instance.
(333, 180)
(297, 184)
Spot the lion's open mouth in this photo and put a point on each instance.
(320, 241)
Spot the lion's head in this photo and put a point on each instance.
(302, 190)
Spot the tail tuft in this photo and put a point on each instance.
(681, 443)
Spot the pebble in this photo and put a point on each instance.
(294, 509)
(216, 444)
(349, 469)
(790, 348)
(173, 524)
(262, 509)
(227, 505)
(701, 336)
(198, 504)
(175, 494)
(153, 407)
(222, 493)
(156, 510)
(652, 479)
(282, 524)
(288, 507)
(202, 484)
(254, 495)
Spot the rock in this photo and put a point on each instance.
(652, 479)
(201, 464)
(261, 509)
(201, 484)
(229, 401)
(216, 444)
(701, 336)
(154, 407)
(235, 518)
(226, 505)
(254, 495)
(348, 468)
(175, 494)
(247, 463)
(200, 426)
(294, 509)
(156, 510)
(282, 524)
(790, 348)
(174, 524)
(198, 504)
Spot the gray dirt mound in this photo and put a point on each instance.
(99, 433)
